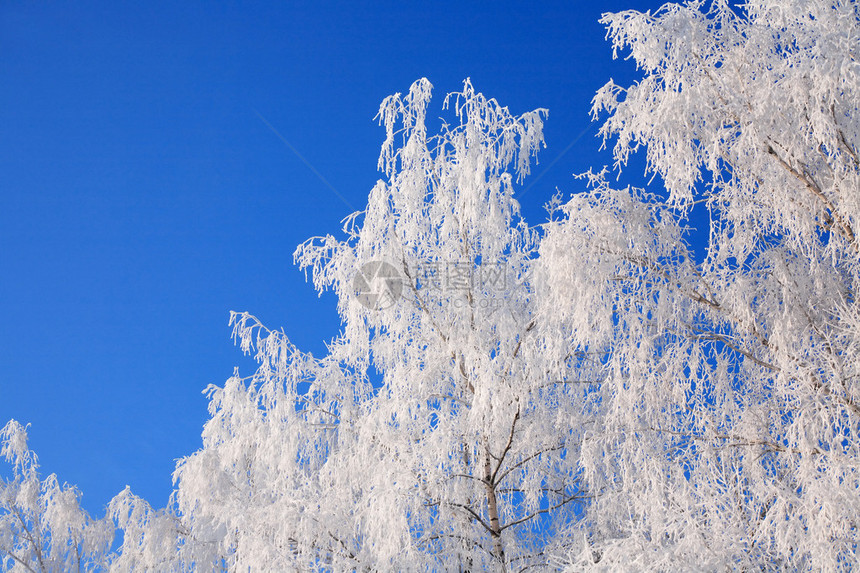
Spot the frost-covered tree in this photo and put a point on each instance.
(730, 432)
(439, 432)
(42, 526)
(584, 394)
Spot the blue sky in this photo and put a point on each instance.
(144, 192)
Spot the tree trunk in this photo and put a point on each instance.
(492, 509)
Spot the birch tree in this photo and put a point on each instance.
(42, 526)
(729, 385)
(436, 434)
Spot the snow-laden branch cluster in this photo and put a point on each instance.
(42, 526)
(732, 389)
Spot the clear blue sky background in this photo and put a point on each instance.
(142, 197)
